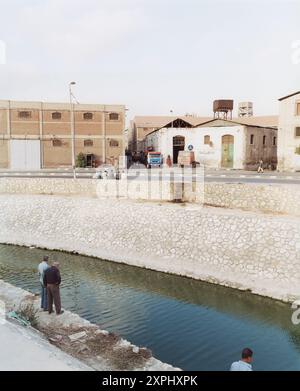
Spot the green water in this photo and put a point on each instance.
(187, 323)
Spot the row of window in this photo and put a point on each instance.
(86, 143)
(57, 115)
(252, 139)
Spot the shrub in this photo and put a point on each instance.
(29, 313)
(80, 160)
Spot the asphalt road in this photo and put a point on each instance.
(221, 176)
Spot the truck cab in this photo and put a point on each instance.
(154, 159)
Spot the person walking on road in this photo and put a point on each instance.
(169, 161)
(43, 266)
(52, 281)
(260, 166)
(245, 363)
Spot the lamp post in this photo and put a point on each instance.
(72, 128)
(104, 133)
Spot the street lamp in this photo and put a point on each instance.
(73, 83)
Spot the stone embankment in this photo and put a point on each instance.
(244, 250)
(91, 347)
(266, 198)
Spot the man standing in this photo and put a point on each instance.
(52, 281)
(43, 266)
(245, 363)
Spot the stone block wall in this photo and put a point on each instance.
(244, 250)
(275, 198)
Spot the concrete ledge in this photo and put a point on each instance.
(95, 348)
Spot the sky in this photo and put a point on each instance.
(151, 55)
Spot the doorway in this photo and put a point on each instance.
(178, 145)
(227, 151)
(90, 160)
(25, 155)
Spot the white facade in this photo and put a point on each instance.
(288, 137)
(208, 154)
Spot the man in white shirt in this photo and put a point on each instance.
(43, 266)
(245, 363)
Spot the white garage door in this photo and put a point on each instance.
(25, 155)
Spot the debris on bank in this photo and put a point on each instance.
(97, 348)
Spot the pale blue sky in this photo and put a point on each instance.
(152, 55)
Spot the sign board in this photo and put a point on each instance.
(190, 147)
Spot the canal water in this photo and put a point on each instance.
(187, 323)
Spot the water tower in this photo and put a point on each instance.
(245, 109)
(223, 109)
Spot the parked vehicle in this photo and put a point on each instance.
(106, 171)
(154, 159)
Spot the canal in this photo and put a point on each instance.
(187, 323)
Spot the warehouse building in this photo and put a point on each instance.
(289, 133)
(35, 135)
(219, 143)
(141, 126)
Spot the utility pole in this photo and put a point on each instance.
(72, 128)
(104, 115)
(171, 112)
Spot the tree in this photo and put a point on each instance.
(80, 160)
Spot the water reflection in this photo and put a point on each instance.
(190, 324)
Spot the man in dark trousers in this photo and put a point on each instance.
(52, 281)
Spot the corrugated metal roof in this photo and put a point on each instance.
(161, 121)
(261, 122)
(158, 122)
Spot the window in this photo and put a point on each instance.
(179, 141)
(113, 116)
(56, 143)
(264, 140)
(88, 143)
(298, 108)
(297, 131)
(24, 114)
(274, 141)
(206, 140)
(252, 139)
(114, 143)
(88, 116)
(56, 115)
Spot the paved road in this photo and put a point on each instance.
(23, 349)
(221, 176)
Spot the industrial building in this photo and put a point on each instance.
(35, 135)
(289, 133)
(220, 143)
(141, 126)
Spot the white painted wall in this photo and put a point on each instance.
(288, 160)
(211, 156)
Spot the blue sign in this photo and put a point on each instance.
(190, 147)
